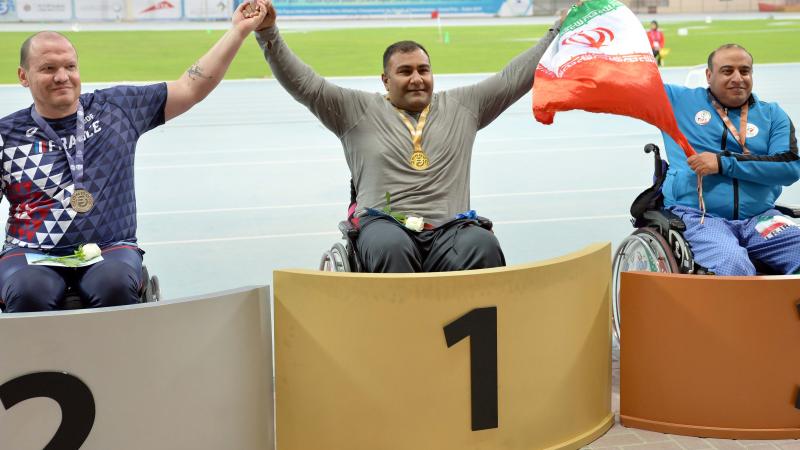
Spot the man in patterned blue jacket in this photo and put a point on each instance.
(747, 152)
(67, 169)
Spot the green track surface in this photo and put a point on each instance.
(164, 55)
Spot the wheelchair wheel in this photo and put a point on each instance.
(646, 251)
(153, 292)
(326, 262)
(340, 258)
(335, 259)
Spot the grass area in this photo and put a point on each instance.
(163, 55)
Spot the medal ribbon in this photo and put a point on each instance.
(416, 132)
(740, 135)
(76, 163)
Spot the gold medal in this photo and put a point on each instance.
(419, 160)
(81, 201)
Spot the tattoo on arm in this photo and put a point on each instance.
(196, 72)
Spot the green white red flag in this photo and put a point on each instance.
(601, 61)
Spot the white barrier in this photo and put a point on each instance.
(186, 374)
(116, 10)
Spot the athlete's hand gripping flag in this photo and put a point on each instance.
(602, 62)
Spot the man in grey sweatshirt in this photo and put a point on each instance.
(414, 145)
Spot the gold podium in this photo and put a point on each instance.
(509, 358)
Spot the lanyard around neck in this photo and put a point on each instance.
(81, 200)
(76, 163)
(741, 134)
(419, 160)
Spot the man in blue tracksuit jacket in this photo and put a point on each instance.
(743, 170)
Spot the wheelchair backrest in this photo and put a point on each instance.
(652, 197)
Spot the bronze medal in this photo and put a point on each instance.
(81, 201)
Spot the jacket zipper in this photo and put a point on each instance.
(735, 181)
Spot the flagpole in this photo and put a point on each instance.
(435, 15)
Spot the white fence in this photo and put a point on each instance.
(114, 10)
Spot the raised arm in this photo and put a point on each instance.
(336, 107)
(495, 94)
(204, 75)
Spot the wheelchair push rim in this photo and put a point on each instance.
(335, 259)
(645, 250)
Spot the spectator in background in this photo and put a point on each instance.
(656, 38)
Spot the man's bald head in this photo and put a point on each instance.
(49, 68)
(25, 50)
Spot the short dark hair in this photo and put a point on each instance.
(725, 47)
(25, 49)
(653, 22)
(401, 47)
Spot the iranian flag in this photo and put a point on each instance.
(601, 62)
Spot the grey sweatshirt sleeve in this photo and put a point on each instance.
(339, 109)
(495, 94)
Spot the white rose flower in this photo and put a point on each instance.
(90, 251)
(415, 223)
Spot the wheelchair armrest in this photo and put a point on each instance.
(665, 220)
(789, 210)
(485, 223)
(348, 230)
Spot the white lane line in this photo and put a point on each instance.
(105, 84)
(561, 138)
(223, 152)
(616, 148)
(339, 159)
(343, 204)
(561, 192)
(242, 163)
(738, 32)
(337, 148)
(336, 233)
(241, 238)
(562, 219)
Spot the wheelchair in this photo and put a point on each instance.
(150, 292)
(344, 257)
(658, 244)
